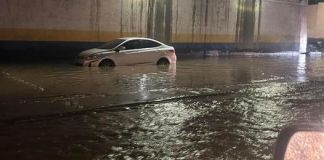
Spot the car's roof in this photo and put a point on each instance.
(132, 38)
(140, 38)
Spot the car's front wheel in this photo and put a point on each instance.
(106, 63)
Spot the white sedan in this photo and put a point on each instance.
(128, 51)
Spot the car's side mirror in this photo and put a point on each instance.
(121, 48)
(300, 142)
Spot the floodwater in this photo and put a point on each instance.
(229, 107)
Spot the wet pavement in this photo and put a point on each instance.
(227, 107)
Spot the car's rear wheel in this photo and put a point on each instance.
(163, 61)
(106, 63)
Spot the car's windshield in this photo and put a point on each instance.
(112, 44)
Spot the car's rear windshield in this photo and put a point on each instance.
(112, 44)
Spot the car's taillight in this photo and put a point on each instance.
(172, 55)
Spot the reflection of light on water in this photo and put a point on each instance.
(161, 129)
(271, 90)
(35, 86)
(266, 107)
(148, 83)
(270, 110)
(142, 86)
(301, 68)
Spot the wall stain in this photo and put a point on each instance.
(159, 20)
(95, 14)
(121, 18)
(132, 19)
(10, 13)
(227, 14)
(92, 18)
(193, 20)
(238, 19)
(176, 18)
(259, 19)
(201, 15)
(150, 18)
(141, 17)
(67, 5)
(218, 16)
(98, 17)
(168, 20)
(245, 24)
(206, 20)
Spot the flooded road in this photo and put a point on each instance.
(214, 108)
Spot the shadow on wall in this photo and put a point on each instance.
(202, 49)
(11, 51)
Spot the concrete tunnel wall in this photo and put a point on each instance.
(316, 21)
(67, 27)
(315, 27)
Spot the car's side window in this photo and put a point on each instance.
(149, 44)
(134, 44)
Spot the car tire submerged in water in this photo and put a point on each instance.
(163, 61)
(106, 63)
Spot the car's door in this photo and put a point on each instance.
(150, 51)
(130, 54)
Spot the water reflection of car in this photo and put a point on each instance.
(128, 51)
